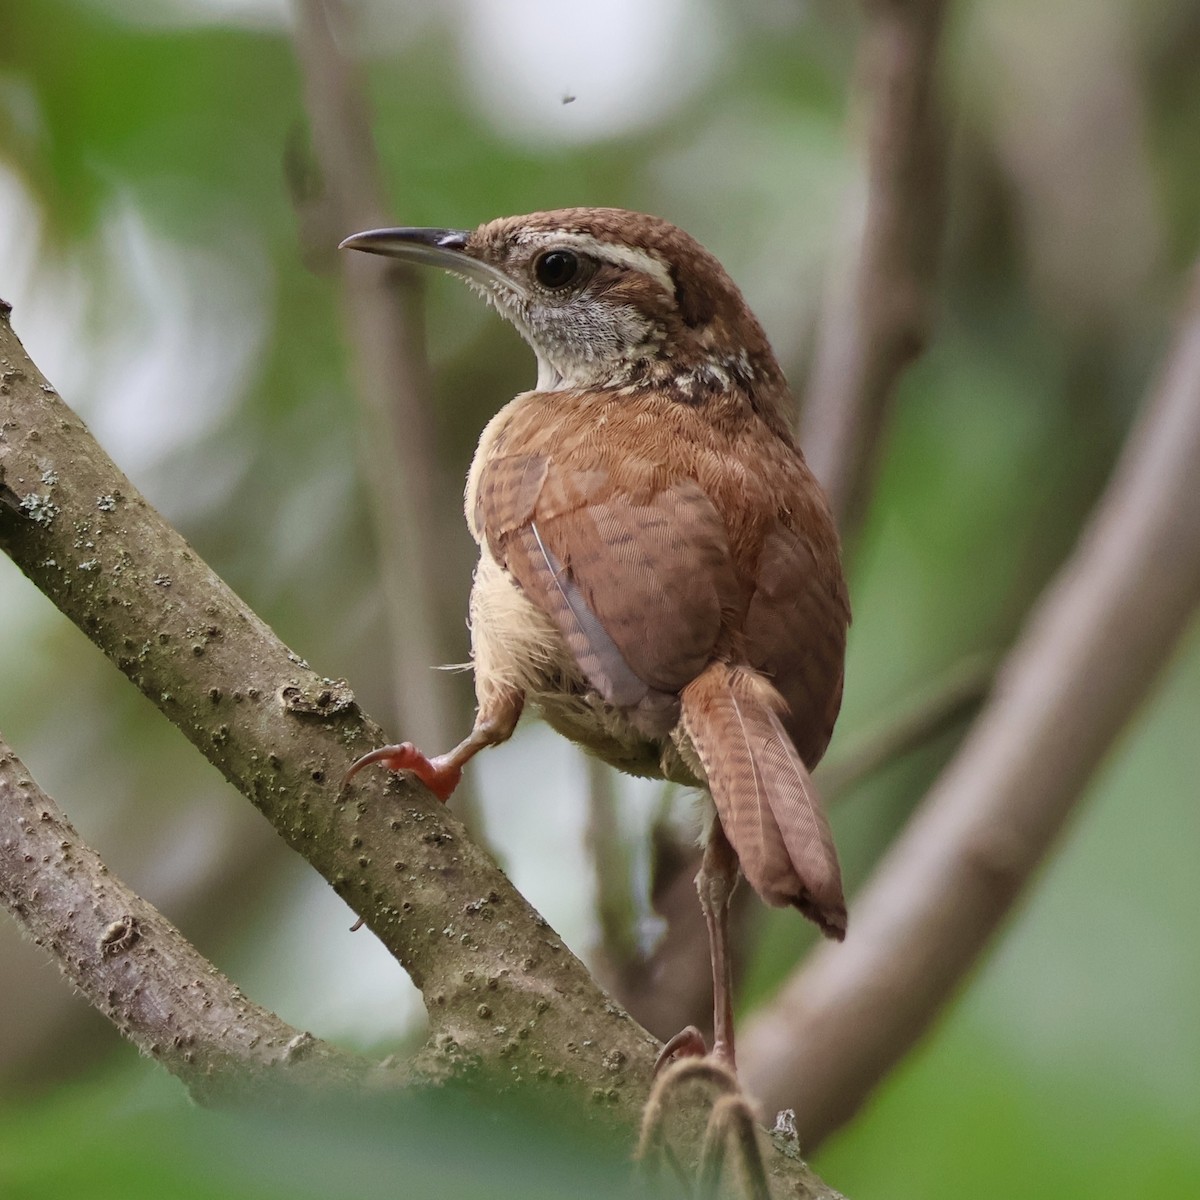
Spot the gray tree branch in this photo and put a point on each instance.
(1088, 655)
(134, 966)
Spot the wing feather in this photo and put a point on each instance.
(796, 636)
(636, 586)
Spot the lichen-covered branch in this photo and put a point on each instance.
(134, 966)
(877, 313)
(1084, 663)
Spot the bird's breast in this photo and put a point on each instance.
(490, 441)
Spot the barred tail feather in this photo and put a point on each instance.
(765, 798)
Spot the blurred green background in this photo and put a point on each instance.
(169, 280)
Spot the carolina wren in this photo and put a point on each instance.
(659, 572)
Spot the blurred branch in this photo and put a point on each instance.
(671, 987)
(134, 966)
(504, 993)
(950, 701)
(1086, 659)
(383, 322)
(878, 309)
(616, 910)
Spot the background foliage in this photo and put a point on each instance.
(166, 280)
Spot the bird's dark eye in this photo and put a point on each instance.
(556, 268)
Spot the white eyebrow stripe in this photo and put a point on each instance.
(621, 256)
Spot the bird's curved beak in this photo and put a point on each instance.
(445, 248)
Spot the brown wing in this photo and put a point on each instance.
(795, 634)
(636, 585)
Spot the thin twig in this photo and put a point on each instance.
(142, 973)
(616, 908)
(383, 322)
(950, 702)
(877, 313)
(1085, 661)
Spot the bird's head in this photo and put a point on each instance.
(607, 299)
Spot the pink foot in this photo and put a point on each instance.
(439, 775)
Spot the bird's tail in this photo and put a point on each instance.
(765, 798)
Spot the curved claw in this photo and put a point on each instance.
(440, 775)
(688, 1043)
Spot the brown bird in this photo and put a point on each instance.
(659, 573)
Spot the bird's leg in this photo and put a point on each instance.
(715, 882)
(495, 721)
